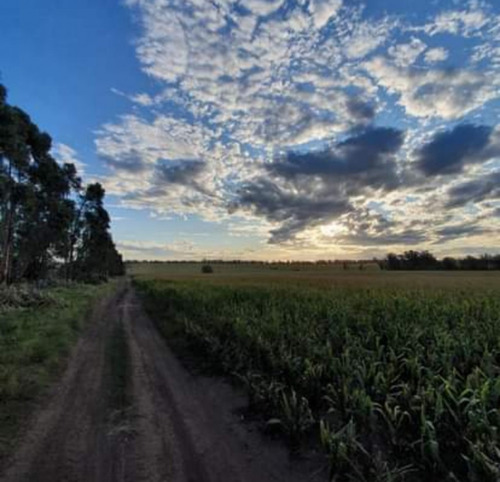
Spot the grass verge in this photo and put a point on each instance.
(34, 345)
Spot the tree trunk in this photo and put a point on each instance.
(6, 264)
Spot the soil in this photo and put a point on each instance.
(171, 425)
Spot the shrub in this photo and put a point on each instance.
(207, 269)
(23, 296)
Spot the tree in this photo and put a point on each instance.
(97, 255)
(44, 217)
(14, 163)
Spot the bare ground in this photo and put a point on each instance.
(175, 427)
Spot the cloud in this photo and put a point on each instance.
(405, 55)
(466, 22)
(438, 54)
(134, 143)
(288, 116)
(447, 94)
(450, 151)
(263, 8)
(180, 172)
(65, 154)
(360, 110)
(292, 211)
(368, 155)
(323, 10)
(460, 231)
(312, 188)
(485, 187)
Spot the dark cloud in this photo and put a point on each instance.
(477, 190)
(178, 172)
(130, 162)
(448, 152)
(365, 159)
(294, 210)
(307, 189)
(370, 228)
(459, 231)
(360, 110)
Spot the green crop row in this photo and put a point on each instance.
(397, 384)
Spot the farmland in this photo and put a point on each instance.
(393, 376)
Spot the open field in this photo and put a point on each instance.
(395, 375)
(321, 276)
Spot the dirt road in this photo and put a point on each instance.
(160, 424)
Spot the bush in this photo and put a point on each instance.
(23, 296)
(207, 269)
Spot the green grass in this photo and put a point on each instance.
(34, 344)
(396, 381)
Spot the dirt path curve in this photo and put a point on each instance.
(177, 427)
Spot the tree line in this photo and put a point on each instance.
(50, 223)
(424, 260)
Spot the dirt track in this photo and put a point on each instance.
(176, 427)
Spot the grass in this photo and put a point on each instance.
(395, 375)
(34, 344)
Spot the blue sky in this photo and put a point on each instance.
(271, 129)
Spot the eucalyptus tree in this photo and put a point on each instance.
(47, 220)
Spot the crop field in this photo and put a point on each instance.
(394, 376)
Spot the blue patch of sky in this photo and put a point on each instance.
(67, 57)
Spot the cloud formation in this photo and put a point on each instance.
(448, 152)
(314, 121)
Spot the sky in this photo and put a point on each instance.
(271, 129)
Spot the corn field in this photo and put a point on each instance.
(393, 384)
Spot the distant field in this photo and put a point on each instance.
(318, 275)
(396, 375)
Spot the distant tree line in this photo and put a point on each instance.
(49, 221)
(424, 260)
(409, 260)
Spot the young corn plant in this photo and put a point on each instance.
(296, 416)
(345, 453)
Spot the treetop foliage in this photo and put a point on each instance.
(49, 223)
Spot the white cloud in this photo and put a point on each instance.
(438, 54)
(263, 7)
(459, 22)
(323, 10)
(404, 55)
(434, 93)
(65, 154)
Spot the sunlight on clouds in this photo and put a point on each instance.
(270, 116)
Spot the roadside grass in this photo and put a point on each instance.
(34, 345)
(398, 383)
